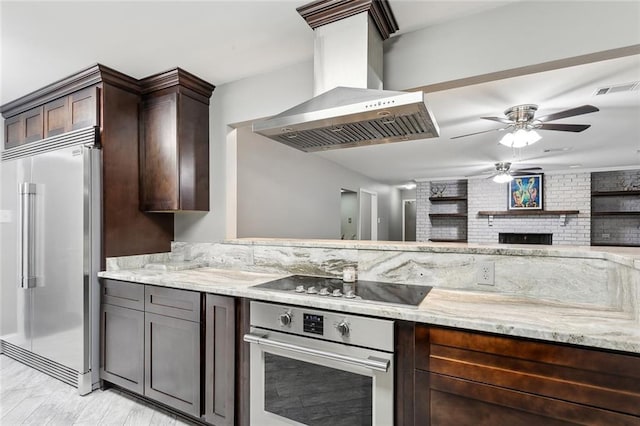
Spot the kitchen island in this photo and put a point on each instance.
(603, 314)
(557, 335)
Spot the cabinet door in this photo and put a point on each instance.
(33, 130)
(122, 347)
(172, 362)
(159, 154)
(83, 108)
(24, 128)
(13, 131)
(56, 117)
(219, 360)
(174, 153)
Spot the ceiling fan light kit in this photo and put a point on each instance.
(520, 138)
(504, 172)
(503, 177)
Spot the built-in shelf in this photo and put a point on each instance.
(446, 199)
(448, 212)
(611, 206)
(444, 215)
(615, 193)
(614, 213)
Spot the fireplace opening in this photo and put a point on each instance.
(520, 238)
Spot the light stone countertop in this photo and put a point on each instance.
(500, 313)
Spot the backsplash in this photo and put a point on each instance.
(582, 278)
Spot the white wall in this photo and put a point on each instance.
(516, 35)
(284, 192)
(486, 42)
(239, 101)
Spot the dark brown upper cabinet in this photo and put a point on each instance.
(174, 142)
(106, 98)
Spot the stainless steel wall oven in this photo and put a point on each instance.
(316, 367)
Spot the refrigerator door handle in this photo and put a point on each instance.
(28, 235)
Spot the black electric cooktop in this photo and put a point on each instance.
(365, 291)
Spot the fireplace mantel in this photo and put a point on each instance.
(514, 213)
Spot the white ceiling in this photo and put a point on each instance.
(612, 142)
(222, 41)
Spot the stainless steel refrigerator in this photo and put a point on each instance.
(50, 223)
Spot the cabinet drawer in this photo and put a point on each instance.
(122, 293)
(458, 402)
(174, 303)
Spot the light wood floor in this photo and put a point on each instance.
(28, 396)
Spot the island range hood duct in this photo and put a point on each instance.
(350, 108)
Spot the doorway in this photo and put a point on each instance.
(409, 208)
(348, 214)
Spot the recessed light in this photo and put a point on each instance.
(575, 166)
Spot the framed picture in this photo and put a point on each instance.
(525, 193)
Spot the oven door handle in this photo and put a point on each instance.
(371, 362)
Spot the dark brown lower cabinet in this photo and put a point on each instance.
(467, 378)
(219, 363)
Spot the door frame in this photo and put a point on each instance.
(374, 213)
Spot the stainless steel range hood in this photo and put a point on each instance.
(346, 117)
(348, 53)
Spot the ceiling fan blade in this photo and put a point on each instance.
(584, 109)
(478, 133)
(565, 127)
(498, 119)
(526, 169)
(524, 172)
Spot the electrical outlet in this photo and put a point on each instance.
(486, 273)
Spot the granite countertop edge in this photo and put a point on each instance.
(503, 314)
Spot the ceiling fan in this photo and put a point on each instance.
(522, 123)
(504, 173)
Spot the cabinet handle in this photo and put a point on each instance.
(28, 235)
(371, 362)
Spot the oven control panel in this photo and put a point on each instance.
(327, 325)
(312, 323)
